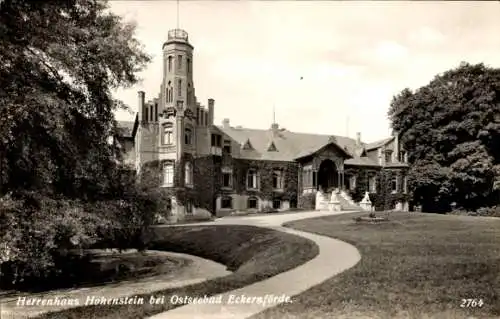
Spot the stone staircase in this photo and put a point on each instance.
(346, 203)
(322, 200)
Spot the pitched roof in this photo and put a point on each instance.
(127, 128)
(378, 143)
(290, 145)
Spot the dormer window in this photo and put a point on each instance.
(247, 145)
(272, 148)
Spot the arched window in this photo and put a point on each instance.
(179, 62)
(188, 174)
(252, 202)
(169, 92)
(169, 63)
(179, 87)
(188, 136)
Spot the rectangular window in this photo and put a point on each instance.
(276, 204)
(252, 179)
(168, 138)
(156, 112)
(216, 140)
(227, 202)
(227, 147)
(188, 65)
(168, 174)
(352, 183)
(179, 87)
(252, 203)
(278, 179)
(372, 184)
(388, 156)
(227, 180)
(394, 184)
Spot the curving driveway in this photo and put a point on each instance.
(334, 257)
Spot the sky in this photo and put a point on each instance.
(352, 56)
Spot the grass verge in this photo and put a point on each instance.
(253, 253)
(413, 266)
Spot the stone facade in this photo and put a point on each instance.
(209, 170)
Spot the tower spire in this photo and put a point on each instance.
(274, 114)
(177, 14)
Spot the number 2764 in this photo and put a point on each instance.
(471, 303)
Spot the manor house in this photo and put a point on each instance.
(208, 169)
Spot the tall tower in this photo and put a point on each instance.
(177, 96)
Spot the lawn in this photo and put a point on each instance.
(414, 266)
(252, 253)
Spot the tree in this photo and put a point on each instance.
(60, 62)
(451, 130)
(59, 178)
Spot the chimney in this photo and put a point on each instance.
(225, 123)
(211, 111)
(358, 138)
(141, 97)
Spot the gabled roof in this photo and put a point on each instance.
(377, 144)
(290, 145)
(127, 128)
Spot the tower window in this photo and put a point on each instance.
(179, 87)
(188, 97)
(169, 63)
(169, 92)
(168, 138)
(188, 136)
(188, 65)
(179, 62)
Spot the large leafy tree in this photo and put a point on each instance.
(60, 61)
(451, 129)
